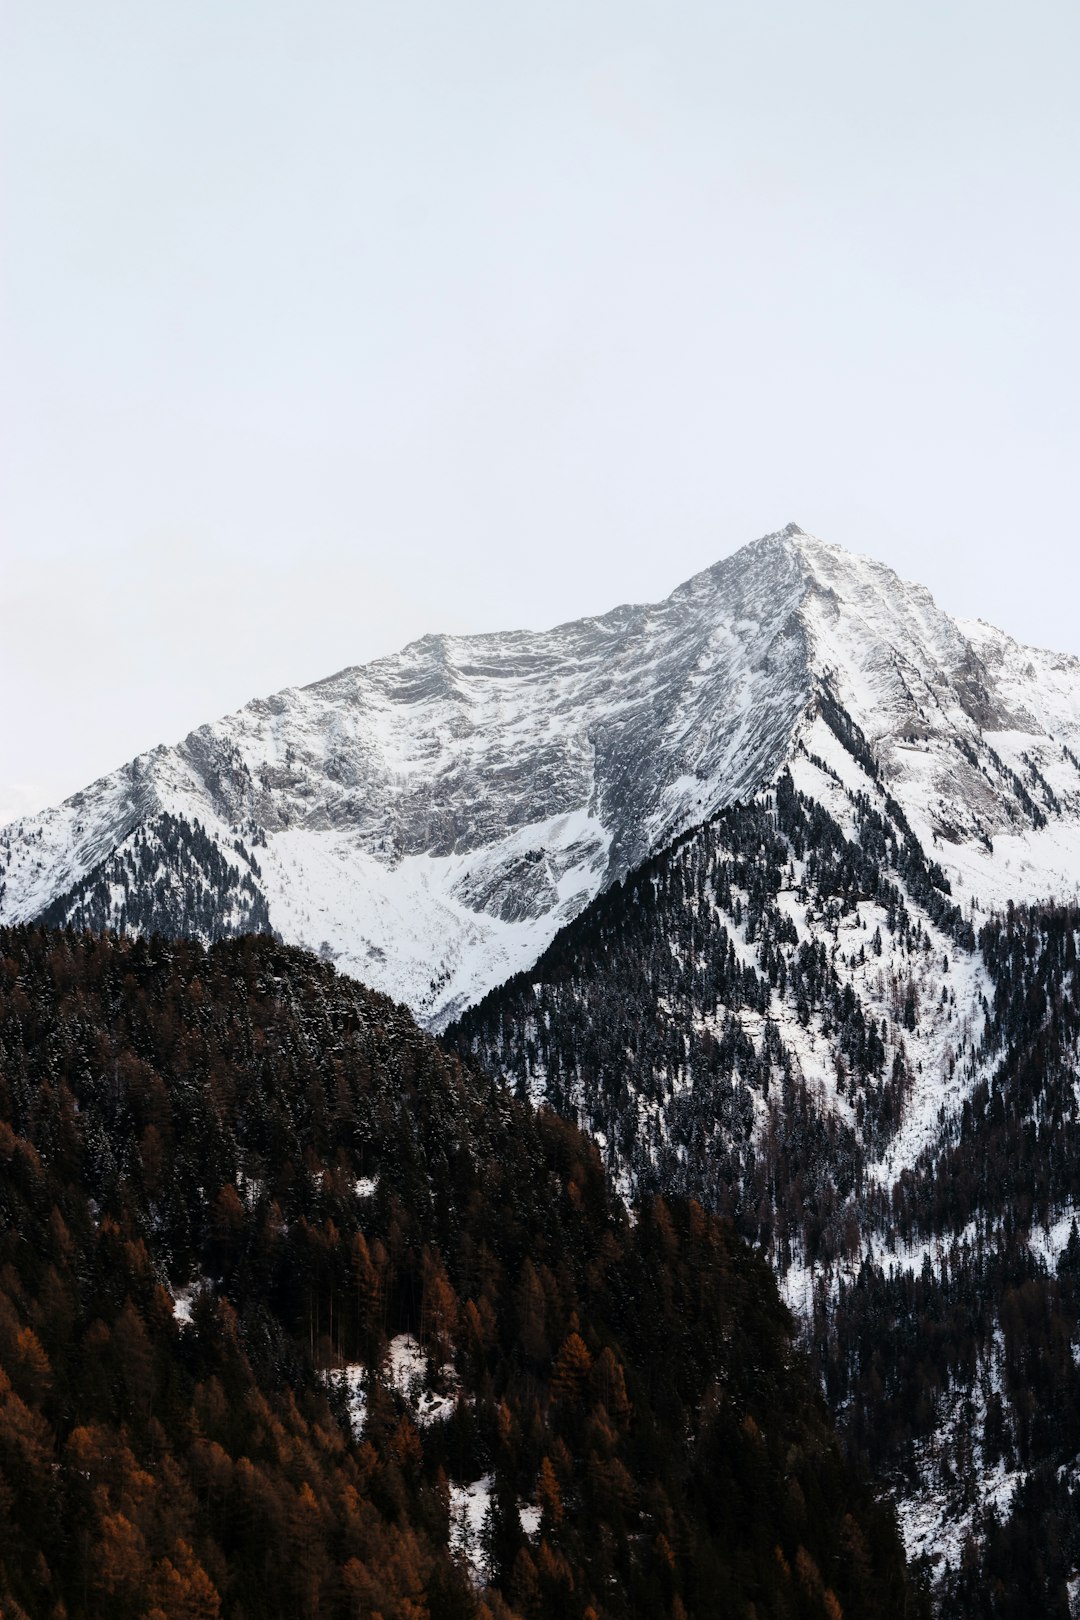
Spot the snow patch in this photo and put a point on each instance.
(408, 1372)
(351, 1379)
(468, 1507)
(184, 1299)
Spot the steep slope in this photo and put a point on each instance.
(429, 821)
(787, 1016)
(775, 1015)
(301, 1317)
(976, 736)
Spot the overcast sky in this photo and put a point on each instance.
(326, 324)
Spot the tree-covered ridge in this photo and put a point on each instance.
(243, 1132)
(169, 877)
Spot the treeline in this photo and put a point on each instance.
(284, 1154)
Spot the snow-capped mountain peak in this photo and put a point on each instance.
(431, 819)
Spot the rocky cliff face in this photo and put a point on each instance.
(430, 821)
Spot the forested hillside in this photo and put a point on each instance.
(300, 1316)
(963, 1369)
(790, 1017)
(752, 1016)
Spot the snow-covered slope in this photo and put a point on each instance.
(430, 820)
(978, 736)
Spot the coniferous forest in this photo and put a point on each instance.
(237, 1192)
(943, 1323)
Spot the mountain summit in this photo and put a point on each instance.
(431, 819)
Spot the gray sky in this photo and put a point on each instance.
(323, 325)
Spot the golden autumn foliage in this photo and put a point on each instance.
(198, 1418)
(548, 1494)
(571, 1370)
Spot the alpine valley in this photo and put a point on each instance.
(773, 888)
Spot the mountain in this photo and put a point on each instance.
(301, 1316)
(431, 820)
(769, 887)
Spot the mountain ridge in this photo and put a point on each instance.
(431, 819)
